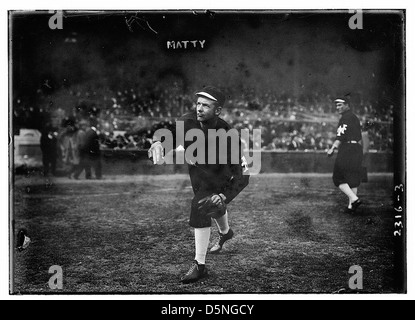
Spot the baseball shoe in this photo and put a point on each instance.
(356, 204)
(196, 272)
(217, 247)
(347, 210)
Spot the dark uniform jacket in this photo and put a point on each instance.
(91, 145)
(49, 142)
(349, 128)
(348, 164)
(228, 178)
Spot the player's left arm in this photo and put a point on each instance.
(235, 187)
(335, 145)
(158, 151)
(239, 177)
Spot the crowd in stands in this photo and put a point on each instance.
(127, 118)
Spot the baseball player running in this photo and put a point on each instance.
(214, 185)
(348, 164)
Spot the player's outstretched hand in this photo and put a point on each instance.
(330, 152)
(156, 152)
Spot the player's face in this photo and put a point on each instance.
(206, 109)
(341, 107)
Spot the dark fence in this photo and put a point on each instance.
(136, 162)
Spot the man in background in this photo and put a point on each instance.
(348, 164)
(49, 147)
(91, 151)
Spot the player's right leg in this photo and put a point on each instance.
(354, 201)
(355, 204)
(225, 233)
(201, 224)
(354, 191)
(198, 268)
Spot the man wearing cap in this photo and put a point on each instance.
(348, 164)
(91, 150)
(220, 183)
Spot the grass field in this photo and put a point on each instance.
(130, 234)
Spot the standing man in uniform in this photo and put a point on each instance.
(348, 164)
(49, 147)
(365, 146)
(214, 185)
(91, 151)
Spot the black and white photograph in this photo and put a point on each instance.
(203, 151)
